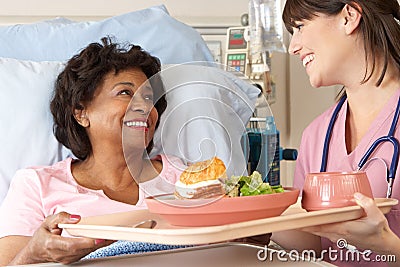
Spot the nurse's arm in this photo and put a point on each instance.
(369, 232)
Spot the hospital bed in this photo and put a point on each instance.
(32, 55)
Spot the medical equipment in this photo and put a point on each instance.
(255, 67)
(265, 26)
(237, 56)
(261, 148)
(391, 172)
(249, 47)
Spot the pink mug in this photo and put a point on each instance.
(326, 190)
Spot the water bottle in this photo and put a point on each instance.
(261, 149)
(271, 157)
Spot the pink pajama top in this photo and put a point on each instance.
(38, 192)
(311, 148)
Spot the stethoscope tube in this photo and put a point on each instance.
(395, 159)
(391, 172)
(329, 134)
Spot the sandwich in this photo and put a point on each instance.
(202, 180)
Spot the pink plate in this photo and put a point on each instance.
(220, 211)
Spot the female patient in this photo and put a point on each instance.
(355, 44)
(92, 95)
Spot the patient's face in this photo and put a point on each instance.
(119, 94)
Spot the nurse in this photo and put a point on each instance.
(355, 44)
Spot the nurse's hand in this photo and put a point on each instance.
(47, 244)
(369, 232)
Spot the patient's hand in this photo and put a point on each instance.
(47, 244)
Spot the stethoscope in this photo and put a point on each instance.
(391, 173)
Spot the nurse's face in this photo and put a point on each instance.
(319, 44)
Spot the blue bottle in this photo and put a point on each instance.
(261, 149)
(271, 159)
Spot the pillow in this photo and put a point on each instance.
(207, 112)
(153, 29)
(26, 124)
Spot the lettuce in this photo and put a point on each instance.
(249, 186)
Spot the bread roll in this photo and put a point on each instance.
(211, 169)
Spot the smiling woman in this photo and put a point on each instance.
(353, 44)
(92, 95)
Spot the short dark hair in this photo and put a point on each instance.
(379, 26)
(83, 74)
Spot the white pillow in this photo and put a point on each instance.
(26, 136)
(152, 28)
(207, 112)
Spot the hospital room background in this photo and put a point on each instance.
(294, 104)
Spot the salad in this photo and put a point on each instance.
(249, 186)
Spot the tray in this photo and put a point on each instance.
(117, 226)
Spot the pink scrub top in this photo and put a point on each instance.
(311, 149)
(38, 192)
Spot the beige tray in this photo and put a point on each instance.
(117, 226)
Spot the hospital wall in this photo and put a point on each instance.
(297, 103)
